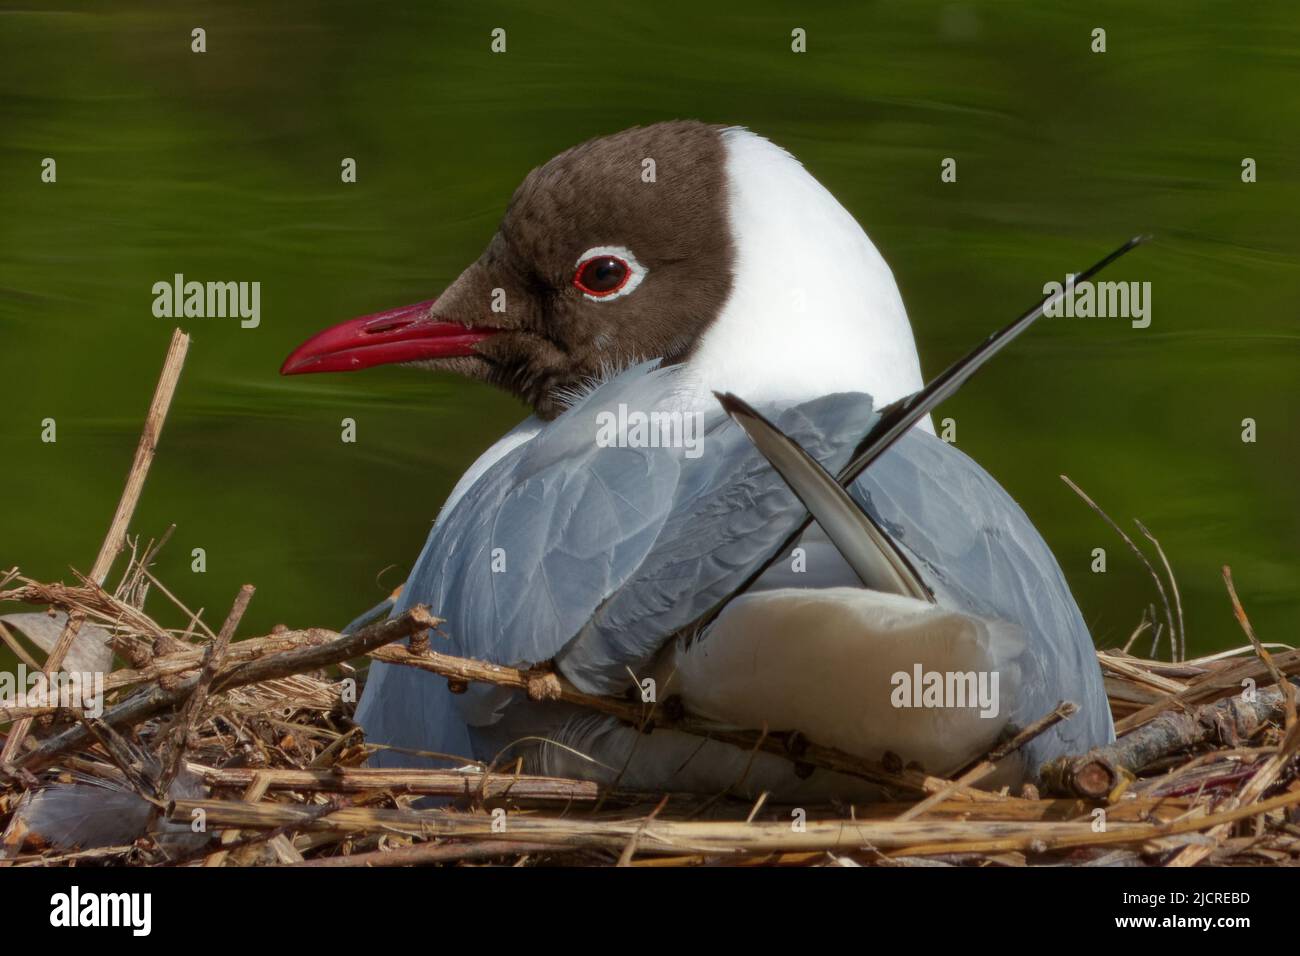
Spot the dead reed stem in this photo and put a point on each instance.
(112, 544)
(213, 658)
(1160, 587)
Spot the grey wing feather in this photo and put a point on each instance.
(565, 539)
(592, 554)
(98, 812)
(730, 513)
(874, 557)
(596, 555)
(519, 564)
(515, 568)
(981, 553)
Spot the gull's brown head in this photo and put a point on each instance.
(614, 252)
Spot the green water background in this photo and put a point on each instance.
(225, 166)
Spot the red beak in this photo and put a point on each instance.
(408, 334)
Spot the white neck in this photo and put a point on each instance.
(814, 309)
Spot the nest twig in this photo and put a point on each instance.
(253, 737)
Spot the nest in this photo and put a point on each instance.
(211, 751)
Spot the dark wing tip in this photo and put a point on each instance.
(734, 405)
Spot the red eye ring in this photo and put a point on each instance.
(597, 285)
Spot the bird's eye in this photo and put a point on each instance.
(607, 272)
(602, 275)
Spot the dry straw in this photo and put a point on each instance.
(252, 737)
